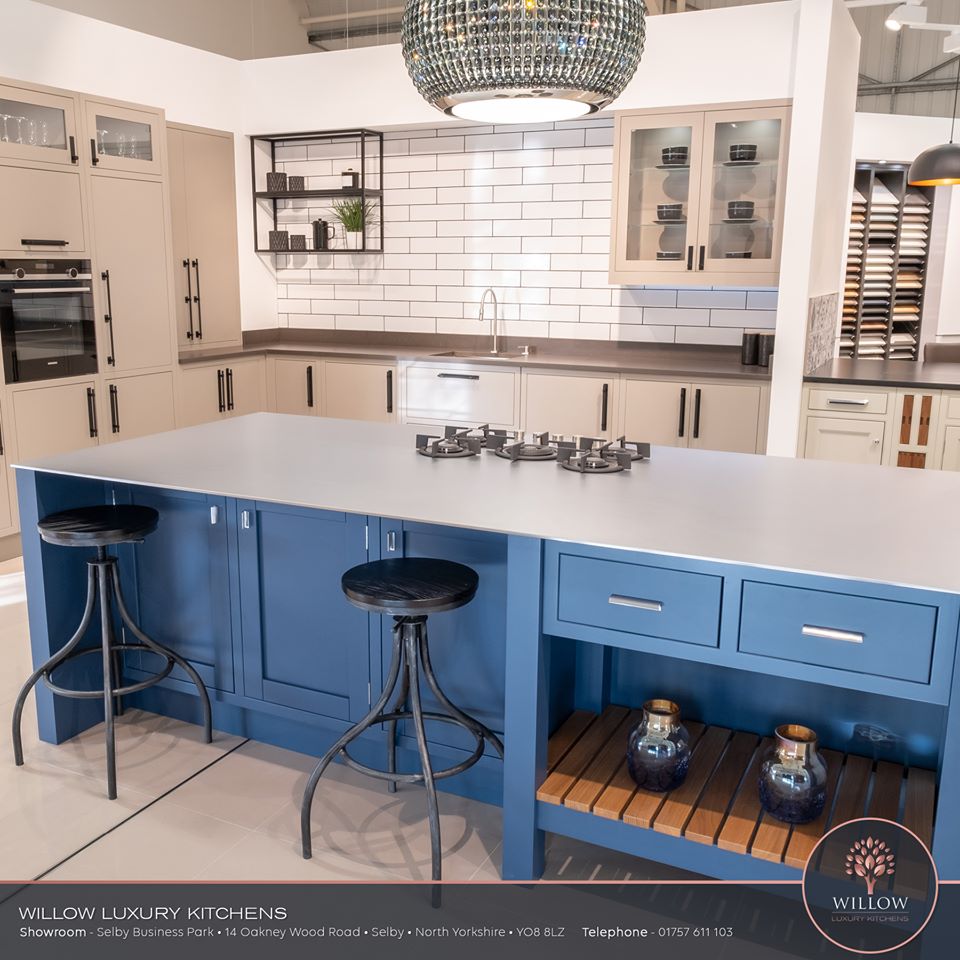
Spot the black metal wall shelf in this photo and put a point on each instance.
(366, 156)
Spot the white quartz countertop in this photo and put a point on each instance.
(880, 524)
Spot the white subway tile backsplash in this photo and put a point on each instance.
(551, 244)
(581, 191)
(763, 319)
(492, 177)
(410, 324)
(577, 331)
(676, 317)
(464, 261)
(553, 174)
(524, 209)
(436, 244)
(491, 245)
(523, 191)
(761, 299)
(553, 138)
(466, 195)
(437, 178)
(728, 336)
(521, 261)
(523, 158)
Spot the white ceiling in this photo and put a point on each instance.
(903, 72)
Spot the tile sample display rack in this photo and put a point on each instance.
(319, 157)
(886, 264)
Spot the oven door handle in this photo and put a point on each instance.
(188, 299)
(19, 291)
(108, 318)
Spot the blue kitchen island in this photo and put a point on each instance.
(753, 591)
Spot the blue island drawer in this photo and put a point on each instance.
(639, 599)
(885, 638)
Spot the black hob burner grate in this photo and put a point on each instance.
(579, 454)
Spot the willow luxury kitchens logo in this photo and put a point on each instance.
(870, 886)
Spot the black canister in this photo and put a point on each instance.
(764, 349)
(749, 347)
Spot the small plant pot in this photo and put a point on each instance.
(354, 239)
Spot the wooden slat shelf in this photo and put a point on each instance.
(718, 803)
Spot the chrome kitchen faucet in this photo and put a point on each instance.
(493, 323)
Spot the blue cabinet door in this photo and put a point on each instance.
(467, 645)
(177, 585)
(304, 645)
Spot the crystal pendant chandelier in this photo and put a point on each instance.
(522, 61)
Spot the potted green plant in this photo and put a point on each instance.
(354, 214)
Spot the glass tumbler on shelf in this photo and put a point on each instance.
(793, 776)
(658, 748)
(5, 119)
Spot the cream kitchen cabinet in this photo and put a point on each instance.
(122, 137)
(137, 406)
(295, 385)
(55, 419)
(203, 203)
(208, 392)
(131, 270)
(698, 195)
(569, 404)
(6, 480)
(360, 391)
(42, 211)
(705, 416)
(37, 125)
(461, 394)
(950, 457)
(847, 439)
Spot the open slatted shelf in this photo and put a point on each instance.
(718, 803)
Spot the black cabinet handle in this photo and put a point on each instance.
(30, 242)
(389, 391)
(309, 384)
(94, 159)
(92, 410)
(605, 395)
(114, 409)
(459, 376)
(196, 300)
(229, 388)
(221, 402)
(690, 257)
(683, 412)
(74, 156)
(703, 254)
(696, 414)
(188, 299)
(108, 318)
(1, 439)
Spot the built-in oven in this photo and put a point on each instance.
(47, 326)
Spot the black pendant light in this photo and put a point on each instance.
(939, 166)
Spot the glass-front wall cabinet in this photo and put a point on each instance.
(122, 139)
(36, 126)
(698, 196)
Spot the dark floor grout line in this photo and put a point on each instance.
(137, 813)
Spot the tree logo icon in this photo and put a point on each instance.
(870, 860)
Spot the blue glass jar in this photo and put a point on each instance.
(658, 748)
(793, 776)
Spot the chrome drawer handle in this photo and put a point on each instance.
(828, 633)
(620, 601)
(851, 402)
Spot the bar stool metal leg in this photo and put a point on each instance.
(398, 706)
(369, 720)
(167, 653)
(106, 636)
(411, 644)
(53, 662)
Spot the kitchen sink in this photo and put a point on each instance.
(478, 355)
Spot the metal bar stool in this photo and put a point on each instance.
(408, 589)
(100, 527)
